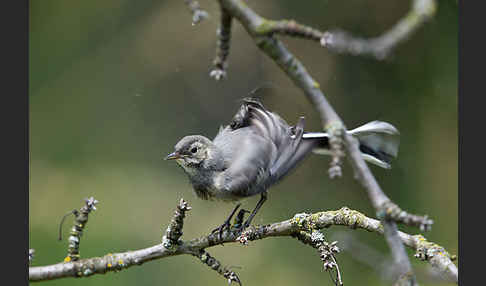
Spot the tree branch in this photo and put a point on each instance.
(436, 255)
(380, 262)
(340, 41)
(289, 28)
(214, 264)
(257, 27)
(380, 47)
(327, 251)
(172, 236)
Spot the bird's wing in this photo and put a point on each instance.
(248, 157)
(260, 148)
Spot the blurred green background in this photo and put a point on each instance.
(114, 85)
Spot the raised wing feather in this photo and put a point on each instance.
(260, 148)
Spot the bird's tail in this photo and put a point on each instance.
(378, 142)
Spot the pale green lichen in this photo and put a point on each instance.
(426, 249)
(269, 47)
(204, 257)
(343, 216)
(169, 244)
(334, 127)
(265, 27)
(299, 220)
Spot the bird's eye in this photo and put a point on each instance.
(194, 150)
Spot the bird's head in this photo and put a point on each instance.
(191, 151)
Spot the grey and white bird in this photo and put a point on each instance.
(258, 149)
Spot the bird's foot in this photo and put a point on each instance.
(220, 229)
(238, 226)
(226, 224)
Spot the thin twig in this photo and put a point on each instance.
(289, 28)
(73, 212)
(380, 47)
(394, 212)
(327, 251)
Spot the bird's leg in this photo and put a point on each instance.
(263, 198)
(226, 223)
(239, 218)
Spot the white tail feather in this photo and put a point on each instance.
(377, 136)
(375, 127)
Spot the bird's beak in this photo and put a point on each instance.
(172, 156)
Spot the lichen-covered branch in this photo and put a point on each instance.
(436, 255)
(214, 264)
(327, 251)
(80, 221)
(379, 47)
(220, 62)
(380, 262)
(391, 210)
(440, 259)
(289, 28)
(171, 239)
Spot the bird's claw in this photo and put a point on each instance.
(238, 226)
(220, 229)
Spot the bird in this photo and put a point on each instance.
(258, 148)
